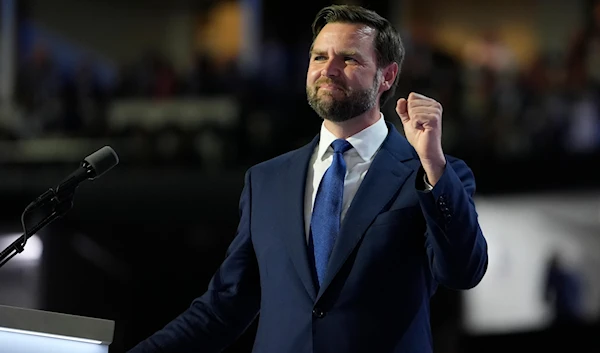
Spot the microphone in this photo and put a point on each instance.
(91, 168)
(61, 197)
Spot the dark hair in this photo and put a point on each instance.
(388, 44)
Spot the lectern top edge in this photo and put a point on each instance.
(57, 324)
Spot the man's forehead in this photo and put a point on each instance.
(357, 34)
(344, 29)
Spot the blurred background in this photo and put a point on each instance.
(191, 93)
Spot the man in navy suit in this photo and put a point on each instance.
(342, 243)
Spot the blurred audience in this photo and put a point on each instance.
(493, 106)
(563, 293)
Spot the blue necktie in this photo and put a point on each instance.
(327, 210)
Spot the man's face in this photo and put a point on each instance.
(343, 80)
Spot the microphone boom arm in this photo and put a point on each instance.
(61, 197)
(60, 208)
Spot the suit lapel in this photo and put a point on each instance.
(386, 175)
(293, 186)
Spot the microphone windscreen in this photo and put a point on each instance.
(102, 160)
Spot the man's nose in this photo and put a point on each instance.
(331, 69)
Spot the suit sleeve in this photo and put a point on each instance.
(218, 317)
(456, 247)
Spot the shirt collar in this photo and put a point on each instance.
(365, 142)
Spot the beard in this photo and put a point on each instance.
(352, 103)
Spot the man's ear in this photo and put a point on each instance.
(389, 76)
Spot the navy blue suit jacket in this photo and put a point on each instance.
(396, 245)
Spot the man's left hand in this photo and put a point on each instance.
(422, 120)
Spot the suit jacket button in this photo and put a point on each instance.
(318, 313)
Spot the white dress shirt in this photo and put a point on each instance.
(365, 145)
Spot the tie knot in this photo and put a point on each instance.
(341, 146)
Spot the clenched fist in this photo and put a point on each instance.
(422, 120)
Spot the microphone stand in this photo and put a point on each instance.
(60, 206)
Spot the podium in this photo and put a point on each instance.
(33, 331)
